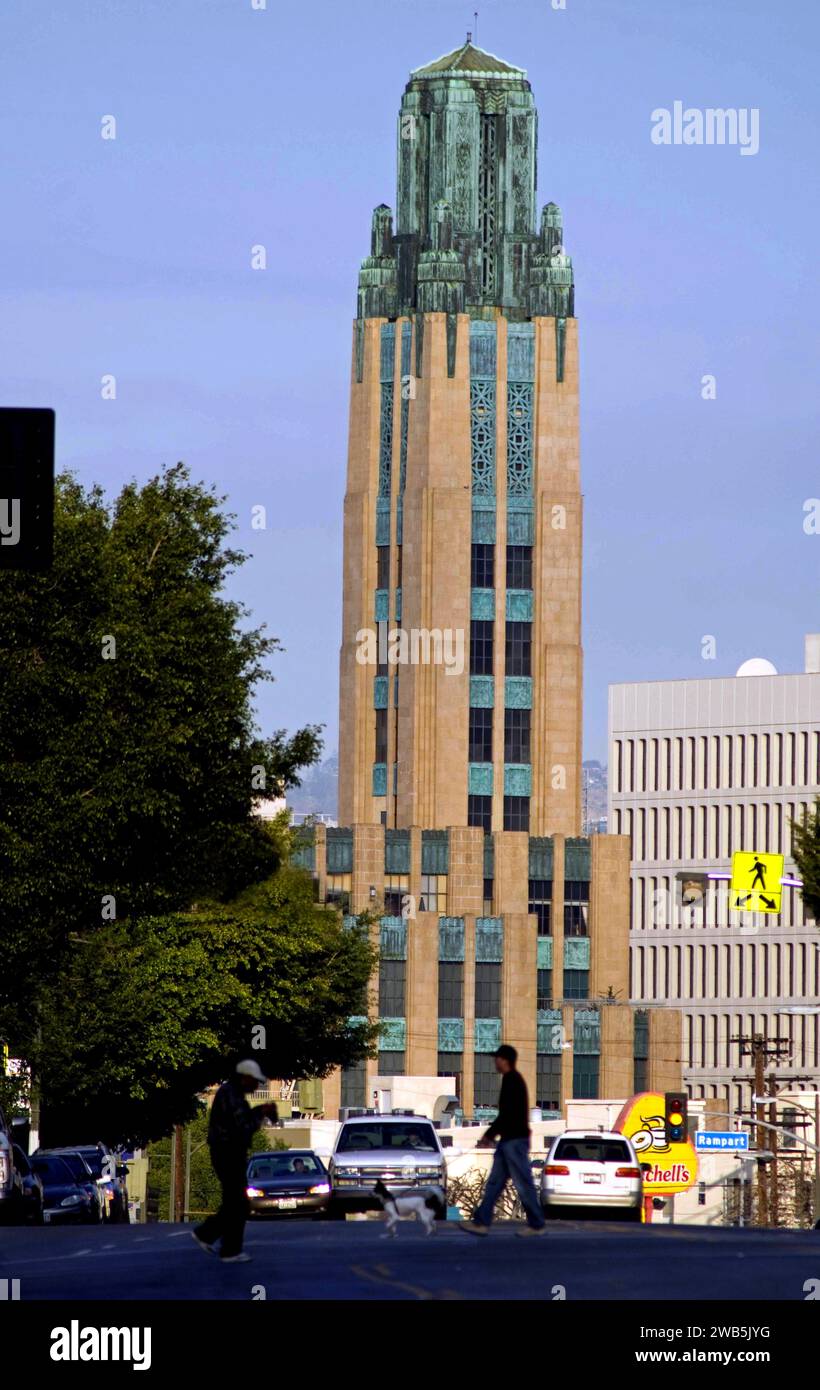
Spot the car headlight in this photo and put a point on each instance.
(254, 1192)
(343, 1170)
(72, 1200)
(319, 1187)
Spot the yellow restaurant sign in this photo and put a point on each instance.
(672, 1167)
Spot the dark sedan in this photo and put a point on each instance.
(82, 1175)
(64, 1198)
(292, 1183)
(32, 1200)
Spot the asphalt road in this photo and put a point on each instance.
(298, 1259)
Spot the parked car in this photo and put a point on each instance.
(10, 1186)
(82, 1175)
(65, 1199)
(597, 1171)
(401, 1149)
(110, 1175)
(32, 1199)
(295, 1183)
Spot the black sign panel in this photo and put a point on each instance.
(26, 488)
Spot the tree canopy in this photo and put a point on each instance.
(806, 842)
(130, 768)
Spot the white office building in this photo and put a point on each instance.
(699, 769)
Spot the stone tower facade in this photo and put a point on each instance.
(461, 663)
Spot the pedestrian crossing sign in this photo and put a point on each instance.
(756, 885)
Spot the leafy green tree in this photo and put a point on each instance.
(151, 1012)
(129, 755)
(806, 842)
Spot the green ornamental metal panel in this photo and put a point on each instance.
(541, 856)
(358, 1020)
(350, 921)
(393, 938)
(482, 692)
(304, 850)
(380, 692)
(544, 953)
(577, 859)
(451, 1035)
(382, 521)
(517, 779)
(487, 1034)
(398, 605)
(388, 352)
(397, 851)
(480, 779)
(379, 780)
(339, 850)
(484, 525)
(482, 604)
(520, 525)
(550, 1031)
(519, 608)
(489, 938)
(381, 606)
(521, 352)
(482, 351)
(576, 953)
(435, 852)
(518, 692)
(392, 1034)
(451, 938)
(587, 1032)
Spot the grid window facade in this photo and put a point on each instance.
(391, 1064)
(540, 902)
(482, 567)
(481, 735)
(519, 567)
(392, 987)
(480, 812)
(518, 649)
(481, 647)
(548, 1081)
(383, 567)
(516, 735)
(354, 1084)
(544, 989)
(451, 989)
(486, 1083)
(576, 984)
(487, 989)
(516, 813)
(576, 908)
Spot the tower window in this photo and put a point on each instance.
(516, 735)
(480, 812)
(519, 567)
(481, 735)
(381, 736)
(451, 989)
(392, 987)
(481, 647)
(518, 649)
(516, 813)
(540, 903)
(487, 990)
(383, 567)
(482, 567)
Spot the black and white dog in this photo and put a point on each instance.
(421, 1206)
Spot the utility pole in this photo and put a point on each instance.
(760, 1052)
(775, 1141)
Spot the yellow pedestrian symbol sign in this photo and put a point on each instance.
(756, 885)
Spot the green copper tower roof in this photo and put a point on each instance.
(468, 59)
(465, 237)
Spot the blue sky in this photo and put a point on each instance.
(237, 127)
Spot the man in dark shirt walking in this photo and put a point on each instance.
(511, 1161)
(231, 1127)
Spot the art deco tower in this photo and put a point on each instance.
(463, 507)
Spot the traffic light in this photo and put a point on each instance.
(676, 1120)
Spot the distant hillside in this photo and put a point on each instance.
(319, 791)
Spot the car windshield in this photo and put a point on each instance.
(283, 1166)
(77, 1165)
(53, 1169)
(93, 1158)
(594, 1150)
(404, 1138)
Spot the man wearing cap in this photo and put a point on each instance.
(511, 1160)
(231, 1127)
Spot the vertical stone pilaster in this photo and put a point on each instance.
(519, 981)
(512, 871)
(465, 880)
(468, 1075)
(617, 1046)
(421, 1058)
(609, 916)
(665, 1050)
